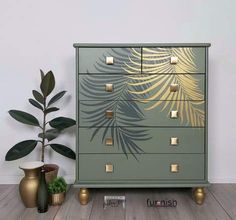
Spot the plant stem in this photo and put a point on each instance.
(44, 129)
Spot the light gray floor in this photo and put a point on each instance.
(220, 204)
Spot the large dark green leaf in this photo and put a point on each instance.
(35, 104)
(38, 96)
(56, 97)
(63, 150)
(53, 109)
(50, 134)
(24, 117)
(42, 74)
(61, 123)
(47, 84)
(20, 150)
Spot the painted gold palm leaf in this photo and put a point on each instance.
(157, 60)
(158, 94)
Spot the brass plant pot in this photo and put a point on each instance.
(58, 198)
(29, 184)
(51, 171)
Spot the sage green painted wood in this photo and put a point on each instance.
(147, 167)
(154, 117)
(91, 86)
(206, 114)
(199, 58)
(95, 45)
(93, 60)
(190, 140)
(141, 184)
(145, 182)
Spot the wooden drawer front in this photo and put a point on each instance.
(109, 60)
(148, 167)
(157, 140)
(174, 60)
(142, 87)
(135, 114)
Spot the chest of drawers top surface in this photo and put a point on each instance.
(142, 105)
(109, 45)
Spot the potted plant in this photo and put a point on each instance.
(57, 191)
(49, 129)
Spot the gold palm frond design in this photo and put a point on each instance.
(187, 100)
(157, 60)
(134, 64)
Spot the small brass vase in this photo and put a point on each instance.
(58, 198)
(29, 184)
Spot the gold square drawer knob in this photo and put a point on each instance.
(109, 141)
(109, 168)
(109, 60)
(174, 168)
(174, 141)
(109, 114)
(174, 87)
(109, 87)
(174, 60)
(174, 114)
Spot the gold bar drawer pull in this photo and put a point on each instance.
(109, 87)
(109, 141)
(174, 141)
(174, 114)
(174, 87)
(174, 168)
(109, 114)
(109, 60)
(109, 168)
(174, 60)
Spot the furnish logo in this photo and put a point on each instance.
(161, 203)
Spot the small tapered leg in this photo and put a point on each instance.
(83, 196)
(199, 195)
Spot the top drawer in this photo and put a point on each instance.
(109, 60)
(148, 60)
(173, 60)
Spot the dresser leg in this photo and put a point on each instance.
(83, 196)
(199, 195)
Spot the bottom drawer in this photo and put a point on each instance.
(109, 167)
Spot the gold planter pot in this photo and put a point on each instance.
(58, 198)
(29, 184)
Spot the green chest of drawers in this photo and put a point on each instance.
(142, 116)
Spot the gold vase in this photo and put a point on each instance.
(29, 184)
(58, 198)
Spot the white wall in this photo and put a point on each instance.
(40, 34)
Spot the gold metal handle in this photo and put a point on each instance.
(174, 60)
(174, 87)
(174, 114)
(174, 168)
(109, 168)
(109, 141)
(109, 114)
(174, 141)
(109, 60)
(109, 87)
